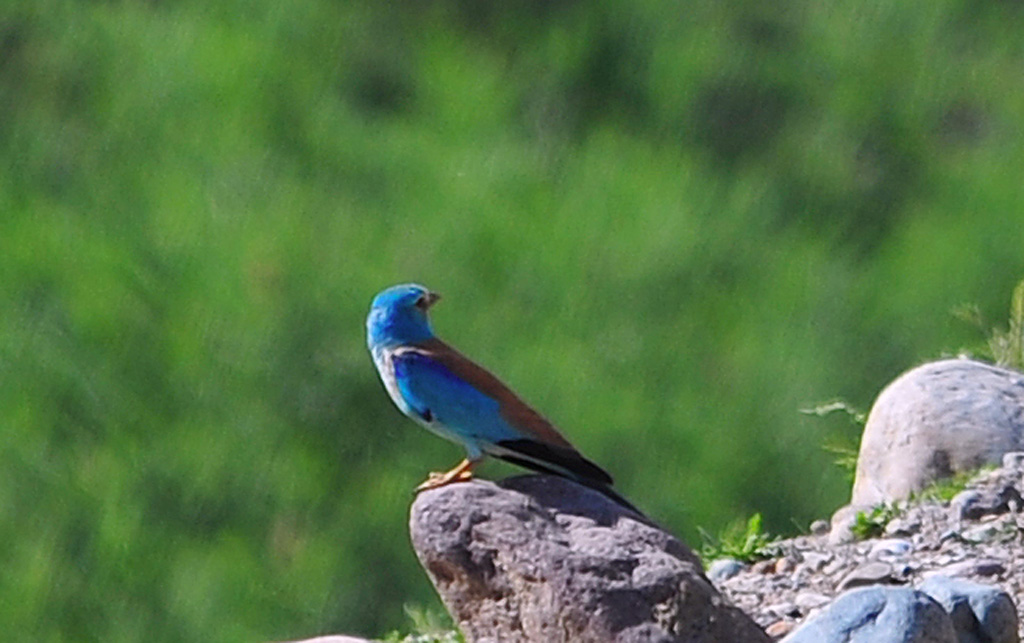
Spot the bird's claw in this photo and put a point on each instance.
(461, 473)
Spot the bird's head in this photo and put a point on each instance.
(398, 315)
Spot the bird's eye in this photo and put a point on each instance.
(421, 303)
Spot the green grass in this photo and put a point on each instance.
(1003, 346)
(872, 523)
(946, 489)
(428, 626)
(844, 447)
(1008, 346)
(745, 541)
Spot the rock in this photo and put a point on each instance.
(784, 610)
(878, 615)
(784, 565)
(1013, 460)
(815, 561)
(779, 629)
(837, 565)
(763, 567)
(901, 526)
(979, 613)
(937, 548)
(972, 567)
(969, 504)
(972, 504)
(724, 568)
(808, 601)
(936, 420)
(872, 573)
(540, 558)
(843, 521)
(891, 547)
(819, 527)
(980, 534)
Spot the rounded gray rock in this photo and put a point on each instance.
(935, 420)
(878, 615)
(979, 612)
(724, 569)
(872, 573)
(892, 547)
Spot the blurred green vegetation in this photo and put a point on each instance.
(742, 540)
(670, 226)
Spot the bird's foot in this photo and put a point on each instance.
(461, 473)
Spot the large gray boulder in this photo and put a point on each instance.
(980, 613)
(878, 614)
(540, 558)
(936, 420)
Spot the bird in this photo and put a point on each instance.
(457, 399)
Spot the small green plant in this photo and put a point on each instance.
(1004, 347)
(428, 627)
(746, 542)
(1008, 346)
(451, 636)
(844, 450)
(871, 524)
(845, 457)
(944, 490)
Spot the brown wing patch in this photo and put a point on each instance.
(513, 409)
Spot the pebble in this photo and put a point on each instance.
(1014, 460)
(895, 547)
(820, 527)
(902, 527)
(783, 610)
(785, 565)
(925, 539)
(904, 571)
(874, 573)
(980, 534)
(778, 629)
(968, 505)
(808, 601)
(815, 561)
(972, 504)
(763, 567)
(724, 569)
(969, 569)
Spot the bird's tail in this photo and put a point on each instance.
(611, 494)
(600, 486)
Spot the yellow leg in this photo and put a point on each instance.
(462, 472)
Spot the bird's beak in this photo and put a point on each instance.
(432, 298)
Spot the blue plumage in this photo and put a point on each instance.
(439, 396)
(444, 391)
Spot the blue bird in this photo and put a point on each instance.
(455, 398)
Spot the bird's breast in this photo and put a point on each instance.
(386, 369)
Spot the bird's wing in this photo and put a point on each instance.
(437, 395)
(440, 383)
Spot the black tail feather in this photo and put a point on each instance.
(603, 489)
(569, 461)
